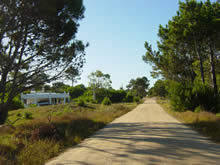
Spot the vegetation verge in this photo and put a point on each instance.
(206, 123)
(34, 135)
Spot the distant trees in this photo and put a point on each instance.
(188, 53)
(159, 89)
(72, 74)
(98, 80)
(138, 86)
(37, 37)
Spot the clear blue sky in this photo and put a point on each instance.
(116, 31)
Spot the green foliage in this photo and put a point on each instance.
(199, 109)
(16, 104)
(186, 55)
(76, 91)
(189, 96)
(139, 86)
(136, 99)
(28, 115)
(59, 87)
(106, 101)
(159, 89)
(181, 96)
(99, 82)
(72, 74)
(129, 98)
(37, 53)
(116, 96)
(203, 95)
(81, 103)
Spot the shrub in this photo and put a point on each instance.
(93, 101)
(199, 109)
(76, 91)
(129, 98)
(203, 95)
(38, 152)
(16, 104)
(190, 96)
(106, 101)
(136, 99)
(81, 103)
(116, 96)
(44, 132)
(28, 115)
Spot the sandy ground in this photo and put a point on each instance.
(146, 135)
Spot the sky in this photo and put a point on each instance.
(116, 31)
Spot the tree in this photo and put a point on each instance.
(76, 91)
(72, 74)
(99, 80)
(159, 89)
(139, 86)
(37, 37)
(188, 51)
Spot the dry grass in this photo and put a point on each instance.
(34, 135)
(206, 123)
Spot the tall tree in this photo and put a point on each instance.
(72, 74)
(188, 45)
(36, 37)
(99, 80)
(139, 86)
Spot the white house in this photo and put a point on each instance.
(44, 98)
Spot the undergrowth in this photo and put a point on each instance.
(35, 138)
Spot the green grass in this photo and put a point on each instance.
(34, 135)
(206, 123)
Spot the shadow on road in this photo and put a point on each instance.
(170, 140)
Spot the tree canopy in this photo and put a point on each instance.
(188, 49)
(99, 80)
(139, 86)
(37, 44)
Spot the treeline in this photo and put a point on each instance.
(187, 58)
(99, 90)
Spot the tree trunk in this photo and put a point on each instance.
(198, 52)
(201, 63)
(213, 74)
(3, 113)
(94, 94)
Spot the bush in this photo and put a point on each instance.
(81, 103)
(199, 109)
(44, 132)
(76, 91)
(190, 96)
(116, 96)
(106, 101)
(136, 99)
(93, 101)
(159, 89)
(28, 115)
(16, 104)
(129, 98)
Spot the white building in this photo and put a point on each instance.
(44, 98)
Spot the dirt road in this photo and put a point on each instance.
(146, 135)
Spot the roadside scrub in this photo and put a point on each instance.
(46, 131)
(206, 123)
